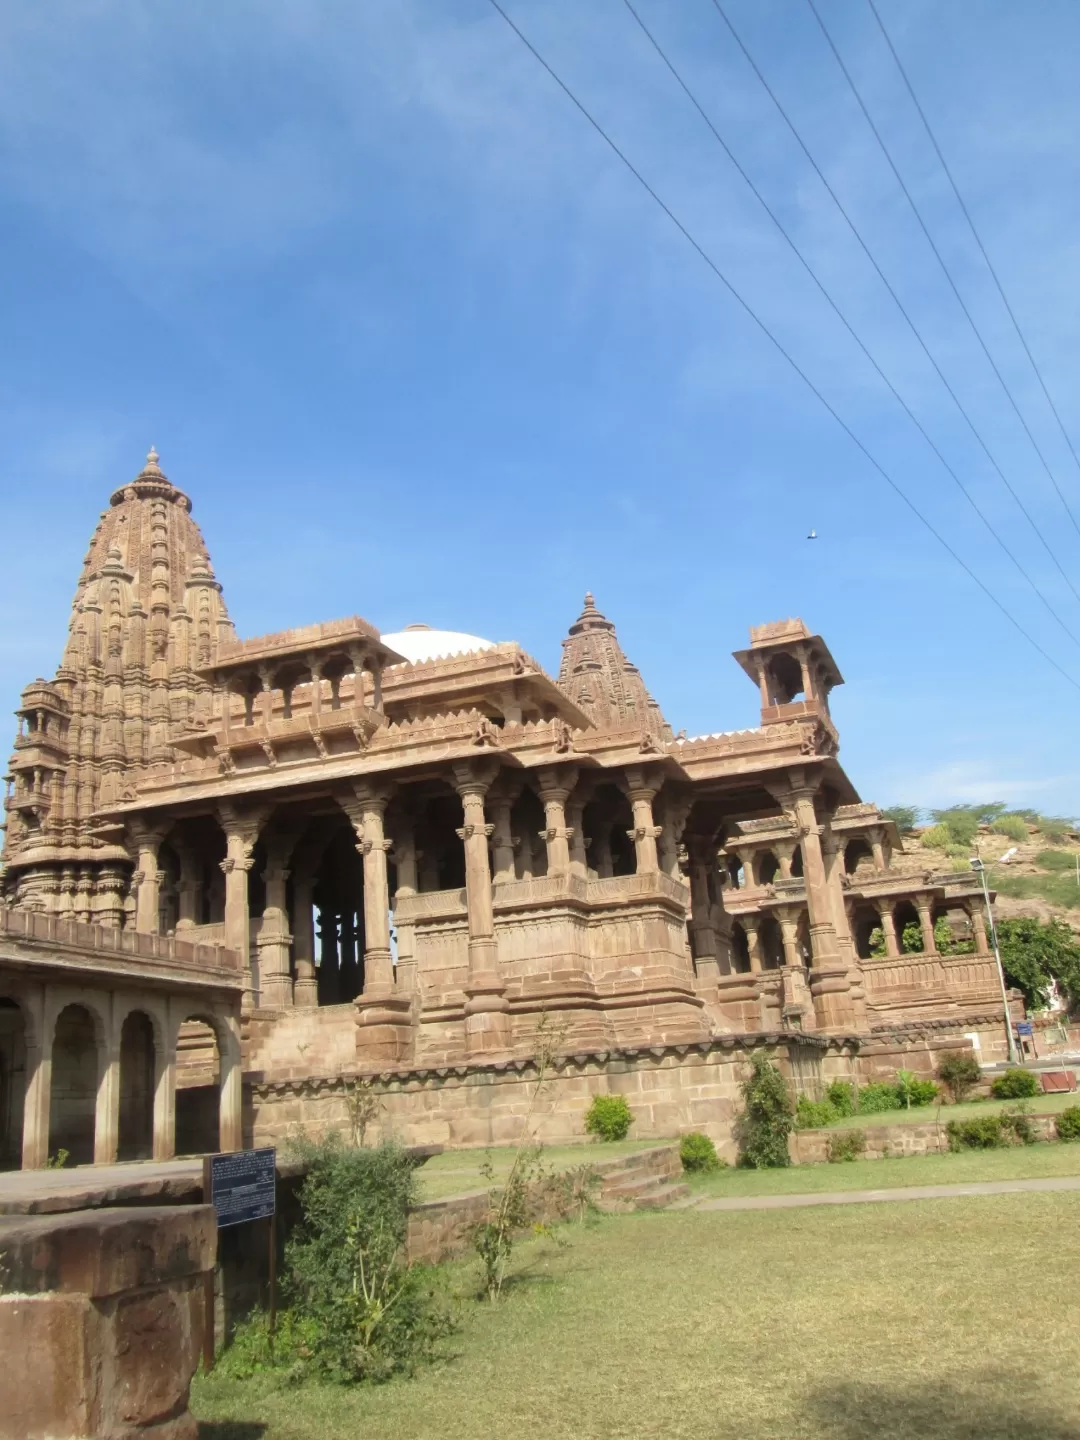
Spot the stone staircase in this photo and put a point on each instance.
(648, 1180)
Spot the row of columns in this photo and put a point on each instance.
(923, 906)
(42, 1006)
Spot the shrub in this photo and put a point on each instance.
(608, 1117)
(697, 1152)
(357, 1310)
(813, 1114)
(958, 1073)
(911, 939)
(1016, 1125)
(984, 1133)
(1012, 826)
(841, 1096)
(1067, 1124)
(1015, 1084)
(935, 837)
(917, 1092)
(846, 1145)
(1056, 828)
(875, 1098)
(763, 1128)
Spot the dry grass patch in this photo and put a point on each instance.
(943, 1320)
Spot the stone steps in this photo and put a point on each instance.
(646, 1181)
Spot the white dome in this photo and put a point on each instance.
(420, 642)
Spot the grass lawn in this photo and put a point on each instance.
(456, 1171)
(1020, 1162)
(936, 1320)
(928, 1114)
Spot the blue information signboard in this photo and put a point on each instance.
(1025, 1027)
(242, 1185)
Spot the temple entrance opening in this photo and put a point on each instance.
(338, 897)
(136, 1134)
(198, 1088)
(12, 1083)
(73, 1096)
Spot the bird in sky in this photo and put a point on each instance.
(812, 535)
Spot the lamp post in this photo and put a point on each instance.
(980, 870)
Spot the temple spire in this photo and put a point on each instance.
(596, 675)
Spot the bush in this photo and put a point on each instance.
(1016, 1125)
(841, 1096)
(911, 938)
(917, 1092)
(1012, 826)
(847, 1145)
(697, 1152)
(358, 1311)
(763, 1128)
(958, 1073)
(814, 1114)
(1067, 1124)
(984, 1133)
(936, 837)
(875, 1098)
(1015, 1084)
(608, 1117)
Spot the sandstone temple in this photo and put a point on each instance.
(243, 875)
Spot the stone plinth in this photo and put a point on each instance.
(104, 1311)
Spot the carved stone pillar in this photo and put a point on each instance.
(877, 845)
(189, 891)
(39, 1045)
(305, 985)
(978, 929)
(676, 811)
(164, 1133)
(503, 841)
(888, 929)
(641, 790)
(107, 1107)
(146, 841)
(383, 1011)
(926, 925)
(555, 787)
(241, 832)
(751, 925)
(789, 930)
(275, 981)
(785, 854)
(487, 1019)
(704, 940)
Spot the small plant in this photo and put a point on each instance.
(698, 1153)
(1016, 1125)
(609, 1117)
(364, 1105)
(841, 1096)
(1015, 1084)
(59, 1160)
(959, 1074)
(876, 1097)
(935, 837)
(845, 1145)
(763, 1128)
(1067, 1124)
(984, 1133)
(910, 1090)
(814, 1114)
(1012, 826)
(578, 1189)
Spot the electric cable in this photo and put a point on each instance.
(843, 318)
(982, 250)
(761, 325)
(953, 286)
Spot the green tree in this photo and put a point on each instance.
(763, 1128)
(1033, 953)
(911, 938)
(904, 817)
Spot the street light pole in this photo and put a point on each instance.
(980, 869)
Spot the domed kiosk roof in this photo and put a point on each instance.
(420, 642)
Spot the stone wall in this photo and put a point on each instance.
(103, 1312)
(670, 1090)
(883, 1142)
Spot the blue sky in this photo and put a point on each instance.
(420, 348)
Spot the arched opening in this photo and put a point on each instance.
(338, 897)
(606, 819)
(858, 855)
(136, 1133)
(785, 679)
(169, 892)
(768, 867)
(12, 1083)
(440, 853)
(867, 933)
(736, 872)
(75, 1075)
(740, 949)
(772, 943)
(908, 930)
(198, 1089)
(797, 864)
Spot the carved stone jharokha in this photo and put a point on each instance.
(401, 849)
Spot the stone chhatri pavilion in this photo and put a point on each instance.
(244, 872)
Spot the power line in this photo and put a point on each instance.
(888, 286)
(986, 257)
(842, 317)
(752, 314)
(953, 286)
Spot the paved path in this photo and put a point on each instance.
(871, 1197)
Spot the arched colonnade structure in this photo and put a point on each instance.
(94, 1026)
(415, 845)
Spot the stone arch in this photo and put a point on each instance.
(766, 867)
(606, 819)
(864, 921)
(857, 852)
(797, 863)
(15, 1037)
(78, 1055)
(199, 1068)
(771, 940)
(740, 949)
(906, 917)
(140, 1063)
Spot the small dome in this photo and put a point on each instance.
(419, 642)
